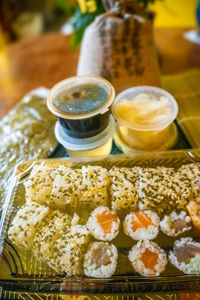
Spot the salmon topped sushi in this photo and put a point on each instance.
(193, 208)
(141, 225)
(147, 258)
(103, 224)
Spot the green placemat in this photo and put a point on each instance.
(185, 87)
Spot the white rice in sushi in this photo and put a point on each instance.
(24, 225)
(124, 188)
(147, 258)
(94, 186)
(185, 256)
(58, 187)
(154, 188)
(142, 225)
(50, 230)
(39, 185)
(103, 224)
(69, 251)
(192, 173)
(100, 261)
(176, 223)
(65, 188)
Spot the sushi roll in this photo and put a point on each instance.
(103, 224)
(93, 189)
(124, 188)
(69, 250)
(154, 188)
(180, 190)
(100, 260)
(24, 225)
(192, 173)
(175, 223)
(147, 258)
(50, 230)
(65, 189)
(163, 188)
(193, 208)
(39, 185)
(142, 225)
(185, 256)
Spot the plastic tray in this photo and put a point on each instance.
(28, 274)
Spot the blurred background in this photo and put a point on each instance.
(20, 19)
(34, 53)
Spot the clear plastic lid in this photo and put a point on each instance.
(74, 144)
(54, 206)
(80, 97)
(145, 108)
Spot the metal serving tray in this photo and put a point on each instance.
(28, 274)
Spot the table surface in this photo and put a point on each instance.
(45, 60)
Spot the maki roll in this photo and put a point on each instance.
(65, 190)
(50, 230)
(147, 258)
(142, 225)
(176, 224)
(103, 224)
(192, 173)
(24, 225)
(193, 208)
(39, 185)
(68, 251)
(93, 189)
(100, 261)
(185, 256)
(123, 188)
(154, 188)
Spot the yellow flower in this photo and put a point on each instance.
(87, 6)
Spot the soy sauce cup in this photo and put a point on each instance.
(101, 144)
(81, 104)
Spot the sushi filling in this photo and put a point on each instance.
(106, 219)
(142, 225)
(100, 261)
(186, 256)
(101, 257)
(186, 252)
(193, 208)
(103, 224)
(175, 224)
(147, 258)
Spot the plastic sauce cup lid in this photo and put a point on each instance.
(76, 144)
(131, 93)
(75, 81)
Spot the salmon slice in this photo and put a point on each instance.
(140, 220)
(149, 259)
(193, 208)
(105, 220)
